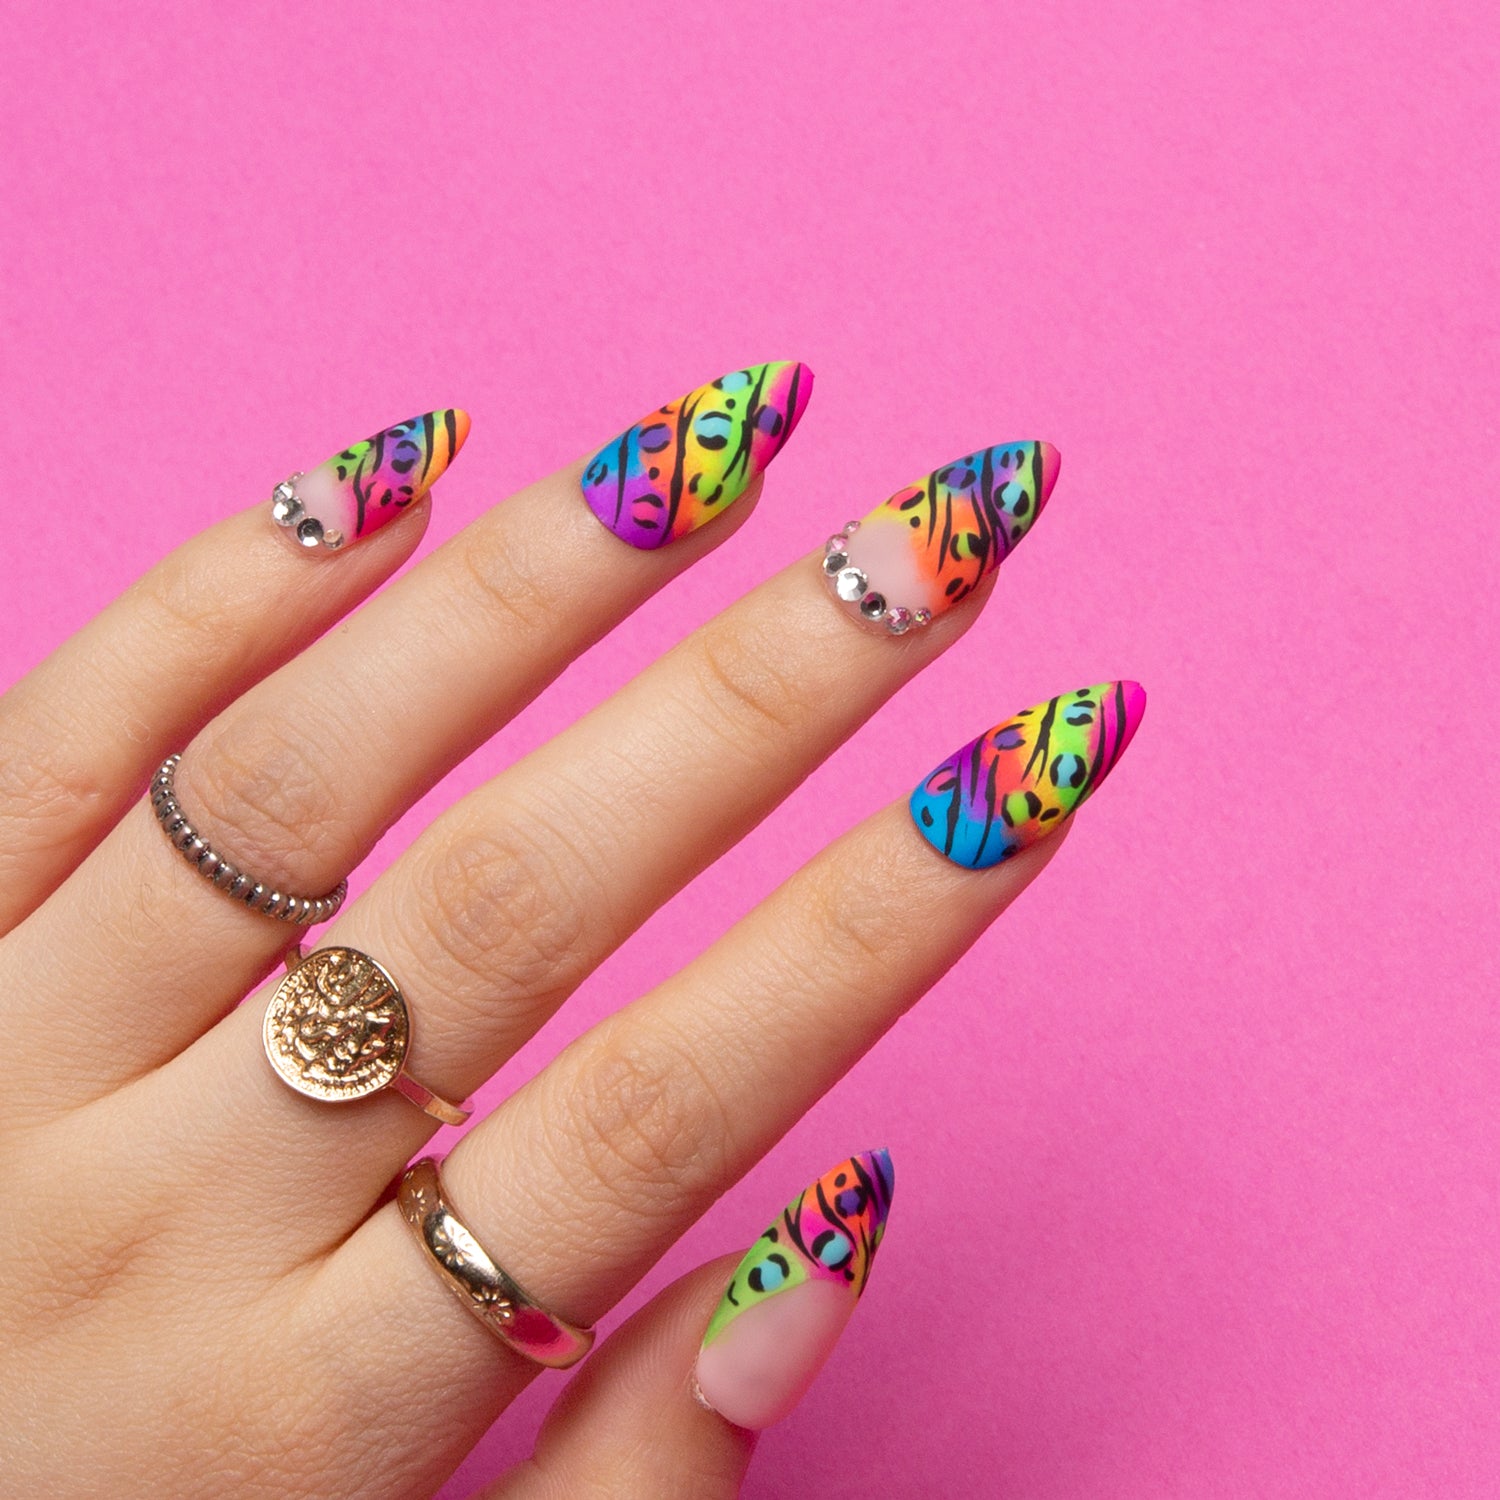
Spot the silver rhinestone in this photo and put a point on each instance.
(333, 539)
(286, 510)
(872, 606)
(851, 585)
(833, 562)
(898, 622)
(310, 532)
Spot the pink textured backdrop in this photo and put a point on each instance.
(1197, 1151)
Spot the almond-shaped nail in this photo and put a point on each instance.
(927, 547)
(692, 459)
(1017, 782)
(792, 1294)
(361, 488)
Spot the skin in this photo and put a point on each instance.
(204, 1289)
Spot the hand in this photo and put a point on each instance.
(207, 1287)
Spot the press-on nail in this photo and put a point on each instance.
(1018, 782)
(923, 550)
(692, 459)
(359, 490)
(792, 1294)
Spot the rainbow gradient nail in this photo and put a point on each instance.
(927, 547)
(692, 459)
(363, 487)
(790, 1297)
(1017, 783)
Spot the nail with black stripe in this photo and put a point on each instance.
(932, 543)
(690, 460)
(364, 486)
(1019, 781)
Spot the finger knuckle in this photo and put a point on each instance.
(507, 906)
(861, 919)
(743, 681)
(112, 1235)
(645, 1122)
(44, 795)
(502, 576)
(265, 798)
(183, 600)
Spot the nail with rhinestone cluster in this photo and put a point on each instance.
(927, 547)
(853, 587)
(363, 487)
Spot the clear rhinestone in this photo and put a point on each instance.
(334, 539)
(286, 508)
(923, 617)
(310, 532)
(836, 543)
(834, 562)
(851, 585)
(852, 527)
(872, 606)
(898, 622)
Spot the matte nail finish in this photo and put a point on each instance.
(362, 488)
(792, 1294)
(928, 546)
(692, 459)
(1016, 783)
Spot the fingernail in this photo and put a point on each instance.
(692, 459)
(359, 490)
(792, 1294)
(1019, 781)
(923, 550)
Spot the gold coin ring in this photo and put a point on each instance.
(338, 1028)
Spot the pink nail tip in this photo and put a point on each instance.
(791, 1295)
(1051, 463)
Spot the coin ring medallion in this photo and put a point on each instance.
(337, 1027)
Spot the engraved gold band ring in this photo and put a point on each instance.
(338, 1028)
(304, 911)
(516, 1318)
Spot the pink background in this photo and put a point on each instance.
(1197, 1150)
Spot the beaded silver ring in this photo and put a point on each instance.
(302, 911)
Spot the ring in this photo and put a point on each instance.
(303, 911)
(338, 1028)
(516, 1318)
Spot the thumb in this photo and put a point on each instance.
(628, 1426)
(654, 1413)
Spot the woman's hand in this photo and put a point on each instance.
(207, 1285)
